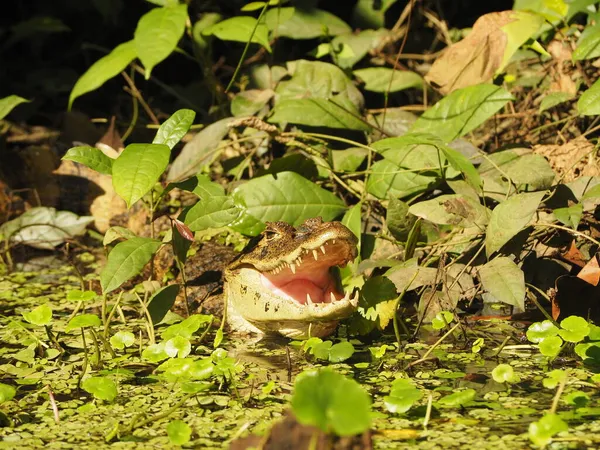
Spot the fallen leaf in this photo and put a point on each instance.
(484, 52)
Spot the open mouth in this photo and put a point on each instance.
(309, 279)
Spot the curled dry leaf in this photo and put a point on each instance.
(484, 52)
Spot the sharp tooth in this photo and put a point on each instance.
(293, 268)
(323, 249)
(333, 299)
(308, 299)
(315, 254)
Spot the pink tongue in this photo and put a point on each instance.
(298, 290)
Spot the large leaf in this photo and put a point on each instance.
(503, 279)
(589, 102)
(199, 151)
(44, 228)
(332, 102)
(455, 209)
(7, 104)
(103, 70)
(462, 111)
(212, 212)
(588, 45)
(174, 128)
(318, 112)
(286, 197)
(137, 169)
(358, 44)
(387, 180)
(304, 23)
(241, 29)
(158, 33)
(125, 261)
(510, 217)
(90, 157)
(377, 79)
(162, 301)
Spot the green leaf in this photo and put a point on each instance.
(589, 102)
(90, 157)
(82, 321)
(126, 260)
(402, 396)
(7, 104)
(503, 279)
(116, 233)
(331, 402)
(504, 373)
(248, 103)
(541, 432)
(334, 102)
(162, 301)
(398, 220)
(155, 352)
(539, 331)
(122, 339)
(574, 329)
(442, 320)
(179, 432)
(510, 217)
(102, 388)
(287, 197)
(388, 180)
(570, 215)
(178, 346)
(103, 70)
(370, 14)
(377, 79)
(550, 346)
(341, 352)
(240, 29)
(452, 209)
(158, 33)
(77, 295)
(462, 111)
(212, 212)
(137, 169)
(304, 23)
(174, 128)
(199, 151)
(332, 113)
(355, 46)
(552, 99)
(458, 398)
(7, 392)
(40, 316)
(588, 45)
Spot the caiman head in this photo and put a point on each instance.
(285, 282)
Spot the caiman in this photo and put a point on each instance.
(284, 282)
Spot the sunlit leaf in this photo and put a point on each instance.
(7, 104)
(158, 33)
(126, 260)
(103, 70)
(510, 217)
(91, 157)
(174, 128)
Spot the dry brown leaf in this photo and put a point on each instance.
(591, 272)
(571, 160)
(476, 58)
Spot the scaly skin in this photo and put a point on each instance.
(266, 286)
